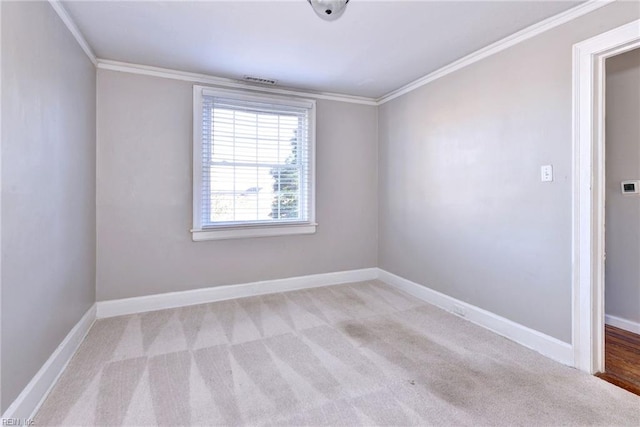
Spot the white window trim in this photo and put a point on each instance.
(237, 231)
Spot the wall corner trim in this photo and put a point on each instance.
(33, 395)
(73, 28)
(143, 304)
(499, 46)
(544, 344)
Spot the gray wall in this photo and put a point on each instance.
(622, 275)
(462, 208)
(48, 188)
(144, 196)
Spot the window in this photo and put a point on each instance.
(253, 165)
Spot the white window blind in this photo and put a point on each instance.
(255, 161)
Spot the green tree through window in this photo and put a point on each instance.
(286, 195)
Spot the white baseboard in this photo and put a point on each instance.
(619, 322)
(544, 344)
(28, 402)
(219, 293)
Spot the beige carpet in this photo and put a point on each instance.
(357, 354)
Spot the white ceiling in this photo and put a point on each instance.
(374, 48)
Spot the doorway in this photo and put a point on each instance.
(622, 221)
(589, 58)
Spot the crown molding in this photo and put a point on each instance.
(66, 19)
(476, 56)
(499, 46)
(167, 73)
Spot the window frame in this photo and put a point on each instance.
(233, 230)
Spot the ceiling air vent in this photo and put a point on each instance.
(259, 80)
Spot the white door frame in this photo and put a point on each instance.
(589, 190)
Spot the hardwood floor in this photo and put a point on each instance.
(622, 359)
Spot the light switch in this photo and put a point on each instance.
(546, 173)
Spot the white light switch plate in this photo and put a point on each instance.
(546, 173)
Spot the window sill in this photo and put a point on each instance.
(225, 233)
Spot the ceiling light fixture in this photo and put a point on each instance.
(329, 10)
